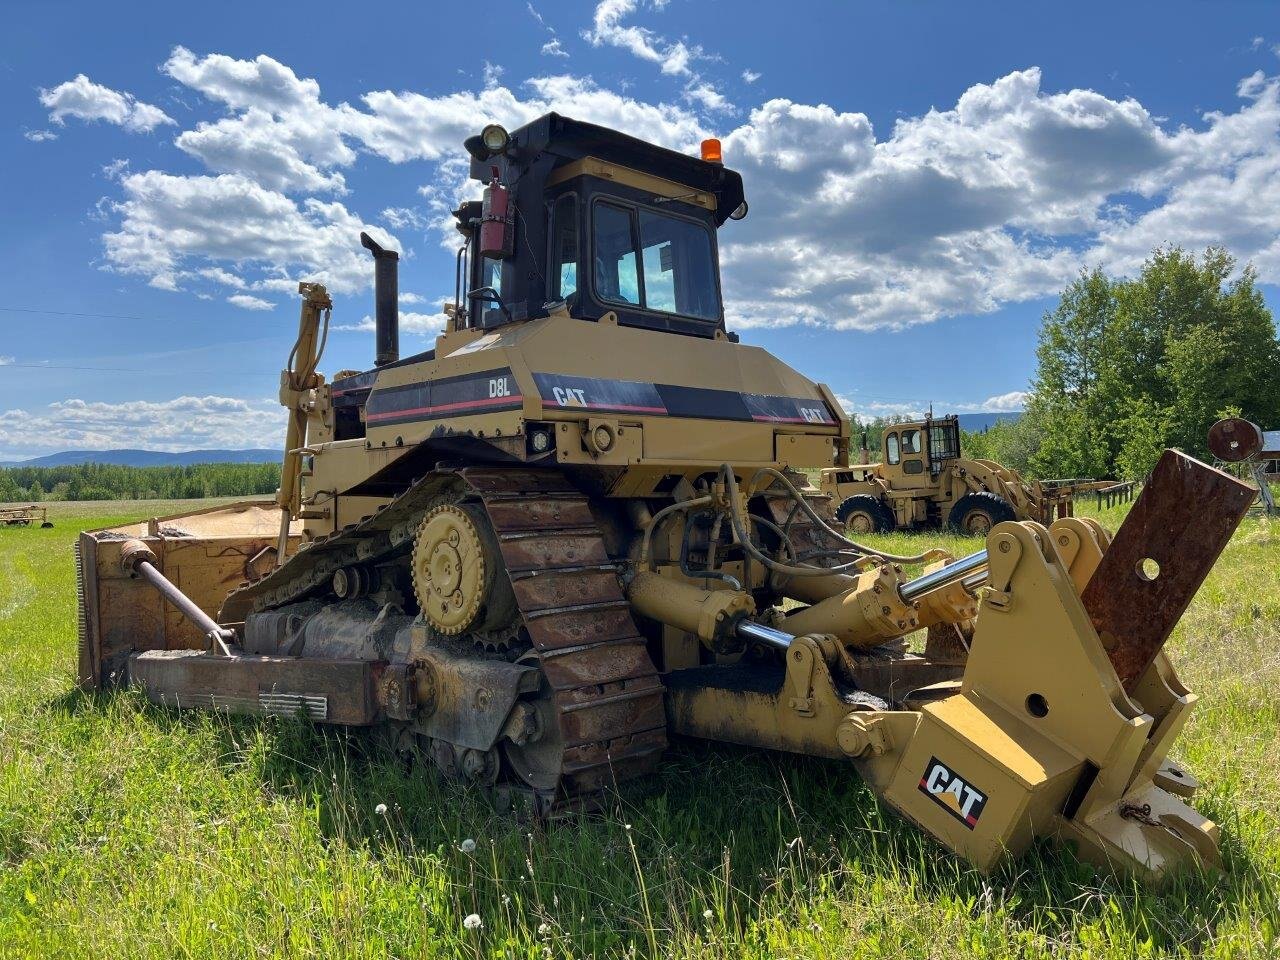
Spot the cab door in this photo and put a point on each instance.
(910, 449)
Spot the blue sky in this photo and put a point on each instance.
(922, 178)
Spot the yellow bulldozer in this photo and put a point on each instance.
(923, 481)
(577, 527)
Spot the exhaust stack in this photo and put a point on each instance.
(386, 295)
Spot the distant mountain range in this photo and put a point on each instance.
(160, 458)
(147, 458)
(984, 421)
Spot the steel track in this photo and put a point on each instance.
(606, 692)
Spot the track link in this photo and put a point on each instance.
(607, 694)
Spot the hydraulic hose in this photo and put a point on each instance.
(744, 540)
(813, 515)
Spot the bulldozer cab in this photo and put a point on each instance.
(914, 454)
(585, 219)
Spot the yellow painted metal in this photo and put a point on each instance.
(867, 614)
(708, 614)
(451, 572)
(1040, 739)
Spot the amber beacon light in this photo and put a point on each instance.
(711, 151)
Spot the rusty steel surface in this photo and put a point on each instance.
(604, 687)
(1235, 440)
(1182, 521)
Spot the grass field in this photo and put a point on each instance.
(131, 831)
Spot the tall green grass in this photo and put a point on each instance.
(131, 831)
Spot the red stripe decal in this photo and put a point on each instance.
(415, 411)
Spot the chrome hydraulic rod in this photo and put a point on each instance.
(137, 557)
(913, 590)
(749, 630)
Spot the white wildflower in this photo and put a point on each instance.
(472, 921)
(707, 914)
(380, 809)
(627, 827)
(467, 846)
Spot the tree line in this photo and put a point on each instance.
(1126, 367)
(106, 481)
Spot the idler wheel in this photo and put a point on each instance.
(458, 575)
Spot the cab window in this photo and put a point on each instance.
(655, 261)
(490, 276)
(891, 445)
(617, 277)
(564, 248)
(910, 441)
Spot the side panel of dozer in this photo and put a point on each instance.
(206, 553)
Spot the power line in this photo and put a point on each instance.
(153, 371)
(68, 313)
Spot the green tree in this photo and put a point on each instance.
(1128, 367)
(1070, 395)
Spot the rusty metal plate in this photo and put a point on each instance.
(1182, 521)
(591, 625)
(602, 663)
(259, 685)
(566, 588)
(539, 552)
(1235, 440)
(587, 716)
(540, 513)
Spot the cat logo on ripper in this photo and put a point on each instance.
(950, 791)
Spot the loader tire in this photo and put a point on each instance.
(863, 513)
(976, 513)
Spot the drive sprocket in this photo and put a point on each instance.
(457, 572)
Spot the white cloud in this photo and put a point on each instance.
(167, 222)
(115, 169)
(553, 48)
(423, 324)
(750, 76)
(85, 100)
(998, 199)
(398, 218)
(707, 96)
(224, 277)
(262, 83)
(39, 136)
(5, 361)
(248, 302)
(276, 153)
(1011, 402)
(608, 29)
(184, 423)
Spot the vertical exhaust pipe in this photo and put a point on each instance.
(386, 296)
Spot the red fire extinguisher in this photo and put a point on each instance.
(497, 225)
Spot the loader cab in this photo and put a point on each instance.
(586, 220)
(916, 453)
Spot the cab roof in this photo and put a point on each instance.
(568, 140)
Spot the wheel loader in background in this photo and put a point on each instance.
(576, 527)
(923, 480)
